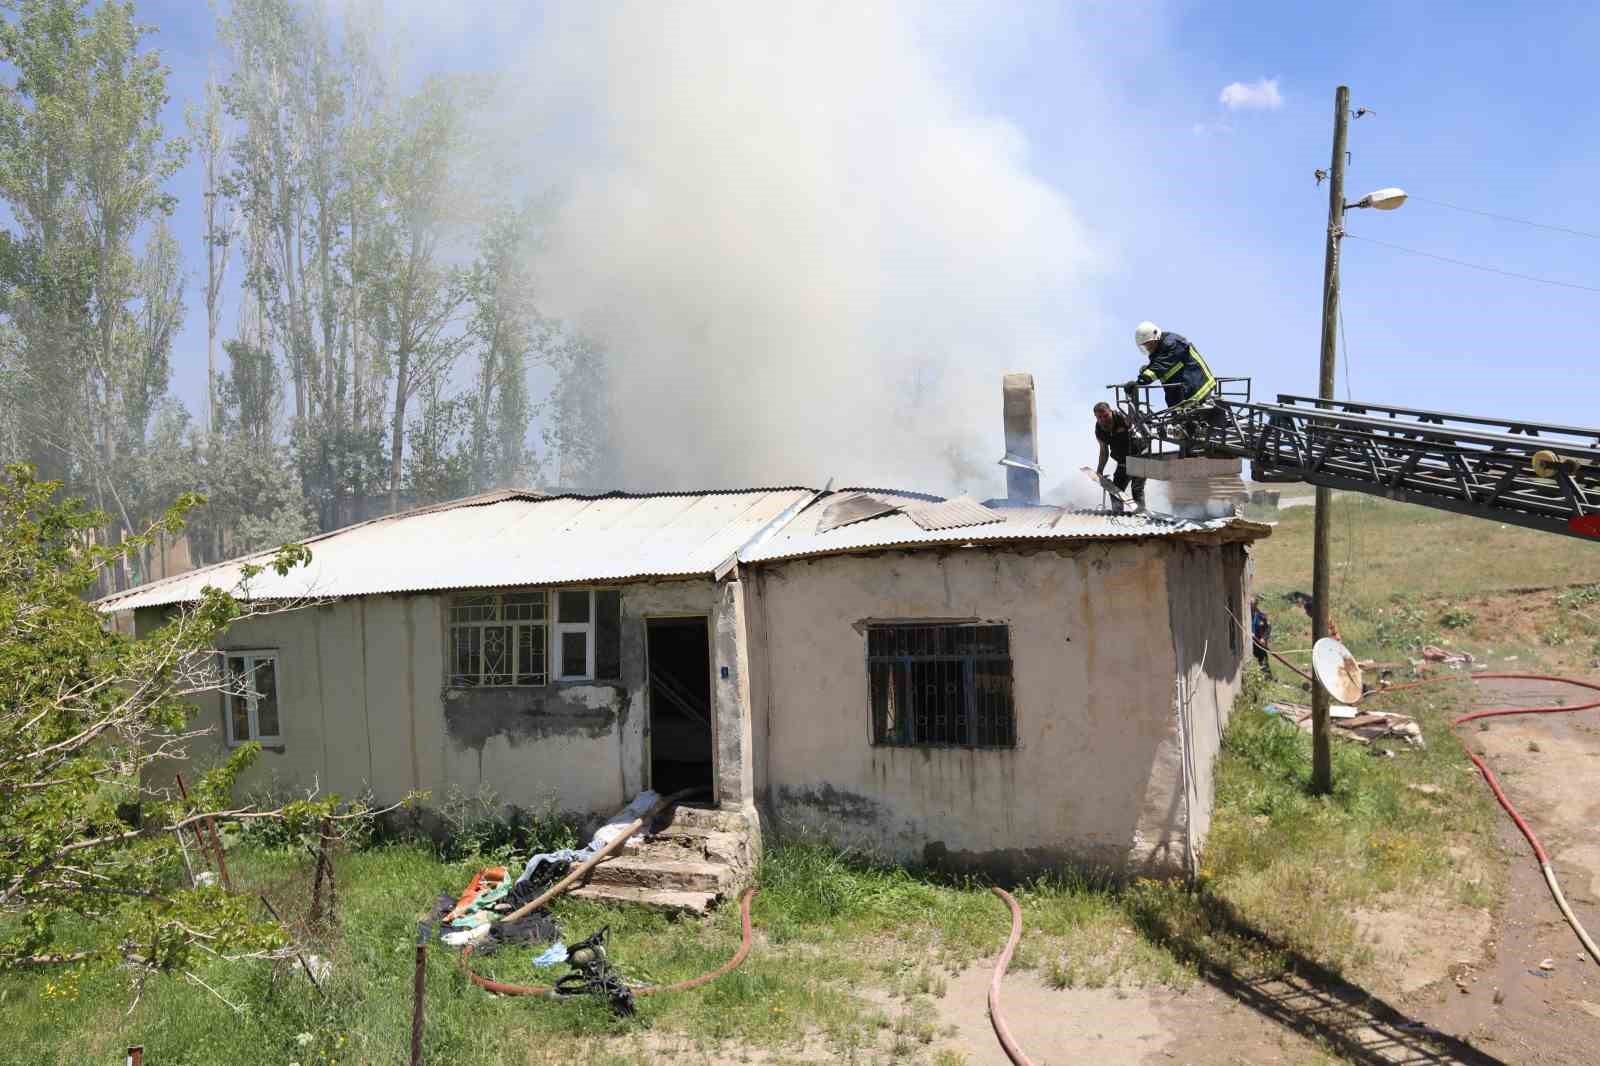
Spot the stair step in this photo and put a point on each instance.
(707, 818)
(649, 871)
(711, 844)
(696, 903)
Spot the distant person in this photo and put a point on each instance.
(1175, 364)
(1260, 634)
(1115, 434)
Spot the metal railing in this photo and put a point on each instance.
(1538, 475)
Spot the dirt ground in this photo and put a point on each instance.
(1450, 984)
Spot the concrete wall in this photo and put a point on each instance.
(362, 703)
(1097, 774)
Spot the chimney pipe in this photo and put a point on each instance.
(1022, 448)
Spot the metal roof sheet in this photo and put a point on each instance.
(799, 537)
(503, 539)
(510, 537)
(951, 514)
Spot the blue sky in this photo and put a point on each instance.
(1205, 218)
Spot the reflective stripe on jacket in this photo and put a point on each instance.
(1178, 364)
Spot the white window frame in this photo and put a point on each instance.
(560, 628)
(545, 624)
(252, 657)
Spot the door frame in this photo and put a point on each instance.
(647, 775)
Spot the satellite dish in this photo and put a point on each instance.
(1336, 668)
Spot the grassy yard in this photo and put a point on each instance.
(851, 960)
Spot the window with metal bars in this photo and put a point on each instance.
(941, 685)
(507, 638)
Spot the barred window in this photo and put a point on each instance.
(941, 685)
(515, 639)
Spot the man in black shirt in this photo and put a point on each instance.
(1115, 435)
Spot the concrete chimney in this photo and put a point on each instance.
(1022, 440)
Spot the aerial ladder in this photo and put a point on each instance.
(1531, 474)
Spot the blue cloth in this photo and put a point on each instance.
(570, 855)
(555, 953)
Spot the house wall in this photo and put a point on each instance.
(362, 703)
(1097, 775)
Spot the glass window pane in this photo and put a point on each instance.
(266, 684)
(497, 655)
(477, 607)
(608, 634)
(239, 714)
(574, 653)
(465, 657)
(574, 605)
(524, 606)
(530, 655)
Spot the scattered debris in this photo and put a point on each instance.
(1547, 964)
(1426, 790)
(1499, 996)
(1361, 728)
(319, 968)
(592, 974)
(1433, 654)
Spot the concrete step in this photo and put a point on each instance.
(710, 844)
(652, 871)
(696, 903)
(706, 818)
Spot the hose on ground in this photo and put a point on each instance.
(505, 989)
(1002, 1031)
(1494, 785)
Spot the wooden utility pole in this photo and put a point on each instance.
(1321, 754)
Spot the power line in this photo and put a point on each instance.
(1476, 266)
(1508, 218)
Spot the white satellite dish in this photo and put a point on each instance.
(1336, 668)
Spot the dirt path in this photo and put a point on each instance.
(1549, 766)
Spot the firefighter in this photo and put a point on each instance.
(1175, 364)
(1115, 434)
(1260, 634)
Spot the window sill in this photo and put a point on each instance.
(276, 749)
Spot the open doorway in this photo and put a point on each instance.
(679, 654)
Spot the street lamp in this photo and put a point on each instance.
(1382, 200)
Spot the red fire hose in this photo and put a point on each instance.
(1488, 775)
(998, 1020)
(505, 989)
(1499, 793)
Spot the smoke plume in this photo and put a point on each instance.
(805, 252)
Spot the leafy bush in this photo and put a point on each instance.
(1457, 618)
(1404, 626)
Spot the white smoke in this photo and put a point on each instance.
(807, 252)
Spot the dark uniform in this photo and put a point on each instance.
(1118, 439)
(1261, 637)
(1177, 364)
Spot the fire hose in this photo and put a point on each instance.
(1488, 775)
(505, 989)
(573, 877)
(1002, 1031)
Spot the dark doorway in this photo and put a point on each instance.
(679, 654)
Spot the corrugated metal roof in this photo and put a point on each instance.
(800, 538)
(505, 539)
(951, 514)
(511, 537)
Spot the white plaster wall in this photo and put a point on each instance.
(1096, 775)
(362, 705)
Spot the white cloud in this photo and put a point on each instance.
(1260, 95)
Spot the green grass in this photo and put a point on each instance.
(855, 958)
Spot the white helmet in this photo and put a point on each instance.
(1145, 332)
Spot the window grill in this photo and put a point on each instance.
(941, 685)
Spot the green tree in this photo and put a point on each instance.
(88, 852)
(503, 328)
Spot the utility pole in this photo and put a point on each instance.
(1321, 754)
